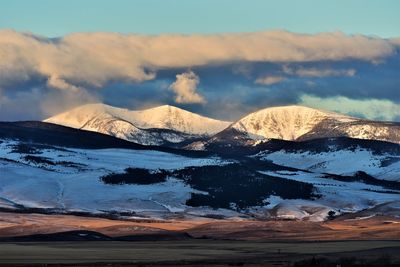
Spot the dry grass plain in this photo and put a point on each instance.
(373, 228)
(215, 242)
(195, 252)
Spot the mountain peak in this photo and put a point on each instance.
(284, 122)
(166, 108)
(296, 109)
(174, 118)
(133, 125)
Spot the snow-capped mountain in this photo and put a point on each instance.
(171, 126)
(155, 126)
(297, 123)
(286, 123)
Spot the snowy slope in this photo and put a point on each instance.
(342, 162)
(287, 123)
(338, 196)
(47, 166)
(303, 123)
(334, 175)
(68, 180)
(150, 127)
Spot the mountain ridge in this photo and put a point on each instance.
(290, 121)
(298, 123)
(171, 126)
(154, 126)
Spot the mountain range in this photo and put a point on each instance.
(288, 162)
(171, 126)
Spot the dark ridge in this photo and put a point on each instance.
(233, 143)
(112, 215)
(56, 135)
(230, 142)
(22, 148)
(39, 160)
(71, 164)
(42, 161)
(80, 235)
(86, 235)
(335, 144)
(168, 236)
(365, 178)
(136, 176)
(383, 191)
(9, 160)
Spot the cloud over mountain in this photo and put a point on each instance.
(93, 59)
(239, 72)
(368, 108)
(185, 88)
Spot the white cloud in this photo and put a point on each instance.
(374, 109)
(185, 88)
(93, 59)
(268, 80)
(58, 83)
(315, 72)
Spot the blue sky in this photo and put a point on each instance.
(53, 18)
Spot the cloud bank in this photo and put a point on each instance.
(93, 59)
(239, 72)
(373, 109)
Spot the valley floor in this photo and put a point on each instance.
(199, 242)
(200, 253)
(346, 227)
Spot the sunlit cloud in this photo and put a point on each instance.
(93, 59)
(47, 76)
(185, 88)
(269, 80)
(58, 83)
